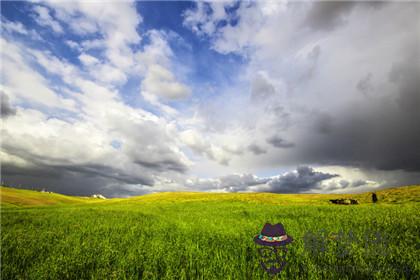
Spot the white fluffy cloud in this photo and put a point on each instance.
(197, 142)
(161, 82)
(22, 82)
(88, 60)
(19, 28)
(117, 31)
(43, 18)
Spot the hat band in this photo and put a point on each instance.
(272, 238)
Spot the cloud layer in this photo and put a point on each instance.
(250, 96)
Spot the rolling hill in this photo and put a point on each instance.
(11, 197)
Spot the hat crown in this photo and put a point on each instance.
(273, 230)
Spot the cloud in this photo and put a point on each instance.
(344, 183)
(6, 108)
(88, 60)
(160, 86)
(43, 18)
(101, 172)
(163, 165)
(203, 19)
(108, 74)
(101, 71)
(118, 32)
(118, 104)
(239, 182)
(227, 183)
(365, 84)
(359, 183)
(262, 89)
(81, 156)
(382, 134)
(257, 150)
(328, 15)
(83, 149)
(302, 180)
(323, 112)
(324, 123)
(93, 44)
(161, 82)
(11, 26)
(312, 59)
(21, 81)
(73, 181)
(196, 142)
(349, 186)
(19, 28)
(279, 142)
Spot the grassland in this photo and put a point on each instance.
(207, 236)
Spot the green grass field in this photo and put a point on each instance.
(207, 236)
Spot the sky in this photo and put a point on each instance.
(127, 98)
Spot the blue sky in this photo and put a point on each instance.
(127, 98)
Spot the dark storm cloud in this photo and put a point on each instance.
(383, 133)
(228, 183)
(120, 190)
(6, 109)
(328, 15)
(303, 179)
(356, 185)
(10, 170)
(359, 183)
(237, 183)
(40, 170)
(344, 183)
(365, 84)
(42, 161)
(67, 178)
(93, 170)
(74, 184)
(257, 150)
(405, 75)
(324, 123)
(279, 142)
(75, 180)
(163, 165)
(43, 165)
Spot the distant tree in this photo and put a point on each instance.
(374, 198)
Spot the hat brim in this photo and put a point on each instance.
(275, 243)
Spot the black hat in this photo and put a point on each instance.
(273, 235)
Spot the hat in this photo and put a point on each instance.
(273, 235)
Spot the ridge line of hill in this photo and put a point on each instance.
(12, 197)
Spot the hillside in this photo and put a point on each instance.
(392, 195)
(11, 197)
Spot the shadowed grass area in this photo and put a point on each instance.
(210, 236)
